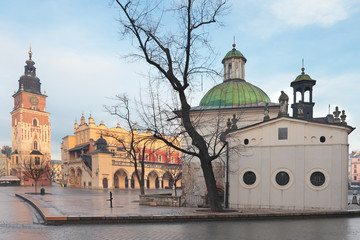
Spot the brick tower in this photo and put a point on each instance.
(30, 126)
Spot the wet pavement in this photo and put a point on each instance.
(70, 205)
(73, 202)
(13, 210)
(18, 221)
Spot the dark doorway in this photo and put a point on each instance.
(105, 183)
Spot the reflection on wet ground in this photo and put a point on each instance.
(16, 222)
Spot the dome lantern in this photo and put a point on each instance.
(234, 65)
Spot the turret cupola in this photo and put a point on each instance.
(303, 105)
(234, 65)
(101, 145)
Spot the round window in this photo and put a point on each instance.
(282, 178)
(322, 139)
(317, 179)
(246, 141)
(249, 178)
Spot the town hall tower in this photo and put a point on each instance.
(30, 126)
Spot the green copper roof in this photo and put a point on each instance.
(234, 53)
(303, 76)
(234, 93)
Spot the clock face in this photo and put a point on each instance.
(34, 100)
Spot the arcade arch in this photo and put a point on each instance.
(71, 177)
(121, 179)
(153, 180)
(78, 175)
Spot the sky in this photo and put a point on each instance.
(79, 56)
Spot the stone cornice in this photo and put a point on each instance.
(30, 111)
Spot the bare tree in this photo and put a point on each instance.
(134, 146)
(173, 46)
(6, 150)
(36, 167)
(174, 170)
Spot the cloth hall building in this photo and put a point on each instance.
(93, 158)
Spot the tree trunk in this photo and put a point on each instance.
(142, 180)
(213, 197)
(35, 181)
(142, 188)
(175, 188)
(205, 160)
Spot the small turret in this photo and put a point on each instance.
(91, 120)
(76, 125)
(82, 120)
(234, 65)
(101, 145)
(304, 107)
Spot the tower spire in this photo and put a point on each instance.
(303, 68)
(30, 52)
(29, 82)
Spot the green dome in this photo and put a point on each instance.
(303, 76)
(234, 93)
(234, 53)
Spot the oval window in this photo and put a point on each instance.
(317, 179)
(282, 178)
(249, 178)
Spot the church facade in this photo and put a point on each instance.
(30, 127)
(273, 160)
(94, 158)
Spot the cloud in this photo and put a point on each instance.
(310, 12)
(267, 18)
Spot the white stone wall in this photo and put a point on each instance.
(300, 155)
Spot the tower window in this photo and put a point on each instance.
(35, 145)
(160, 158)
(37, 160)
(230, 71)
(238, 65)
(35, 122)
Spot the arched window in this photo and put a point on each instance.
(237, 74)
(35, 122)
(230, 71)
(35, 145)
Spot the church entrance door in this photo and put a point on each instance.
(105, 183)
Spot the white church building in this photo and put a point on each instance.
(274, 160)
